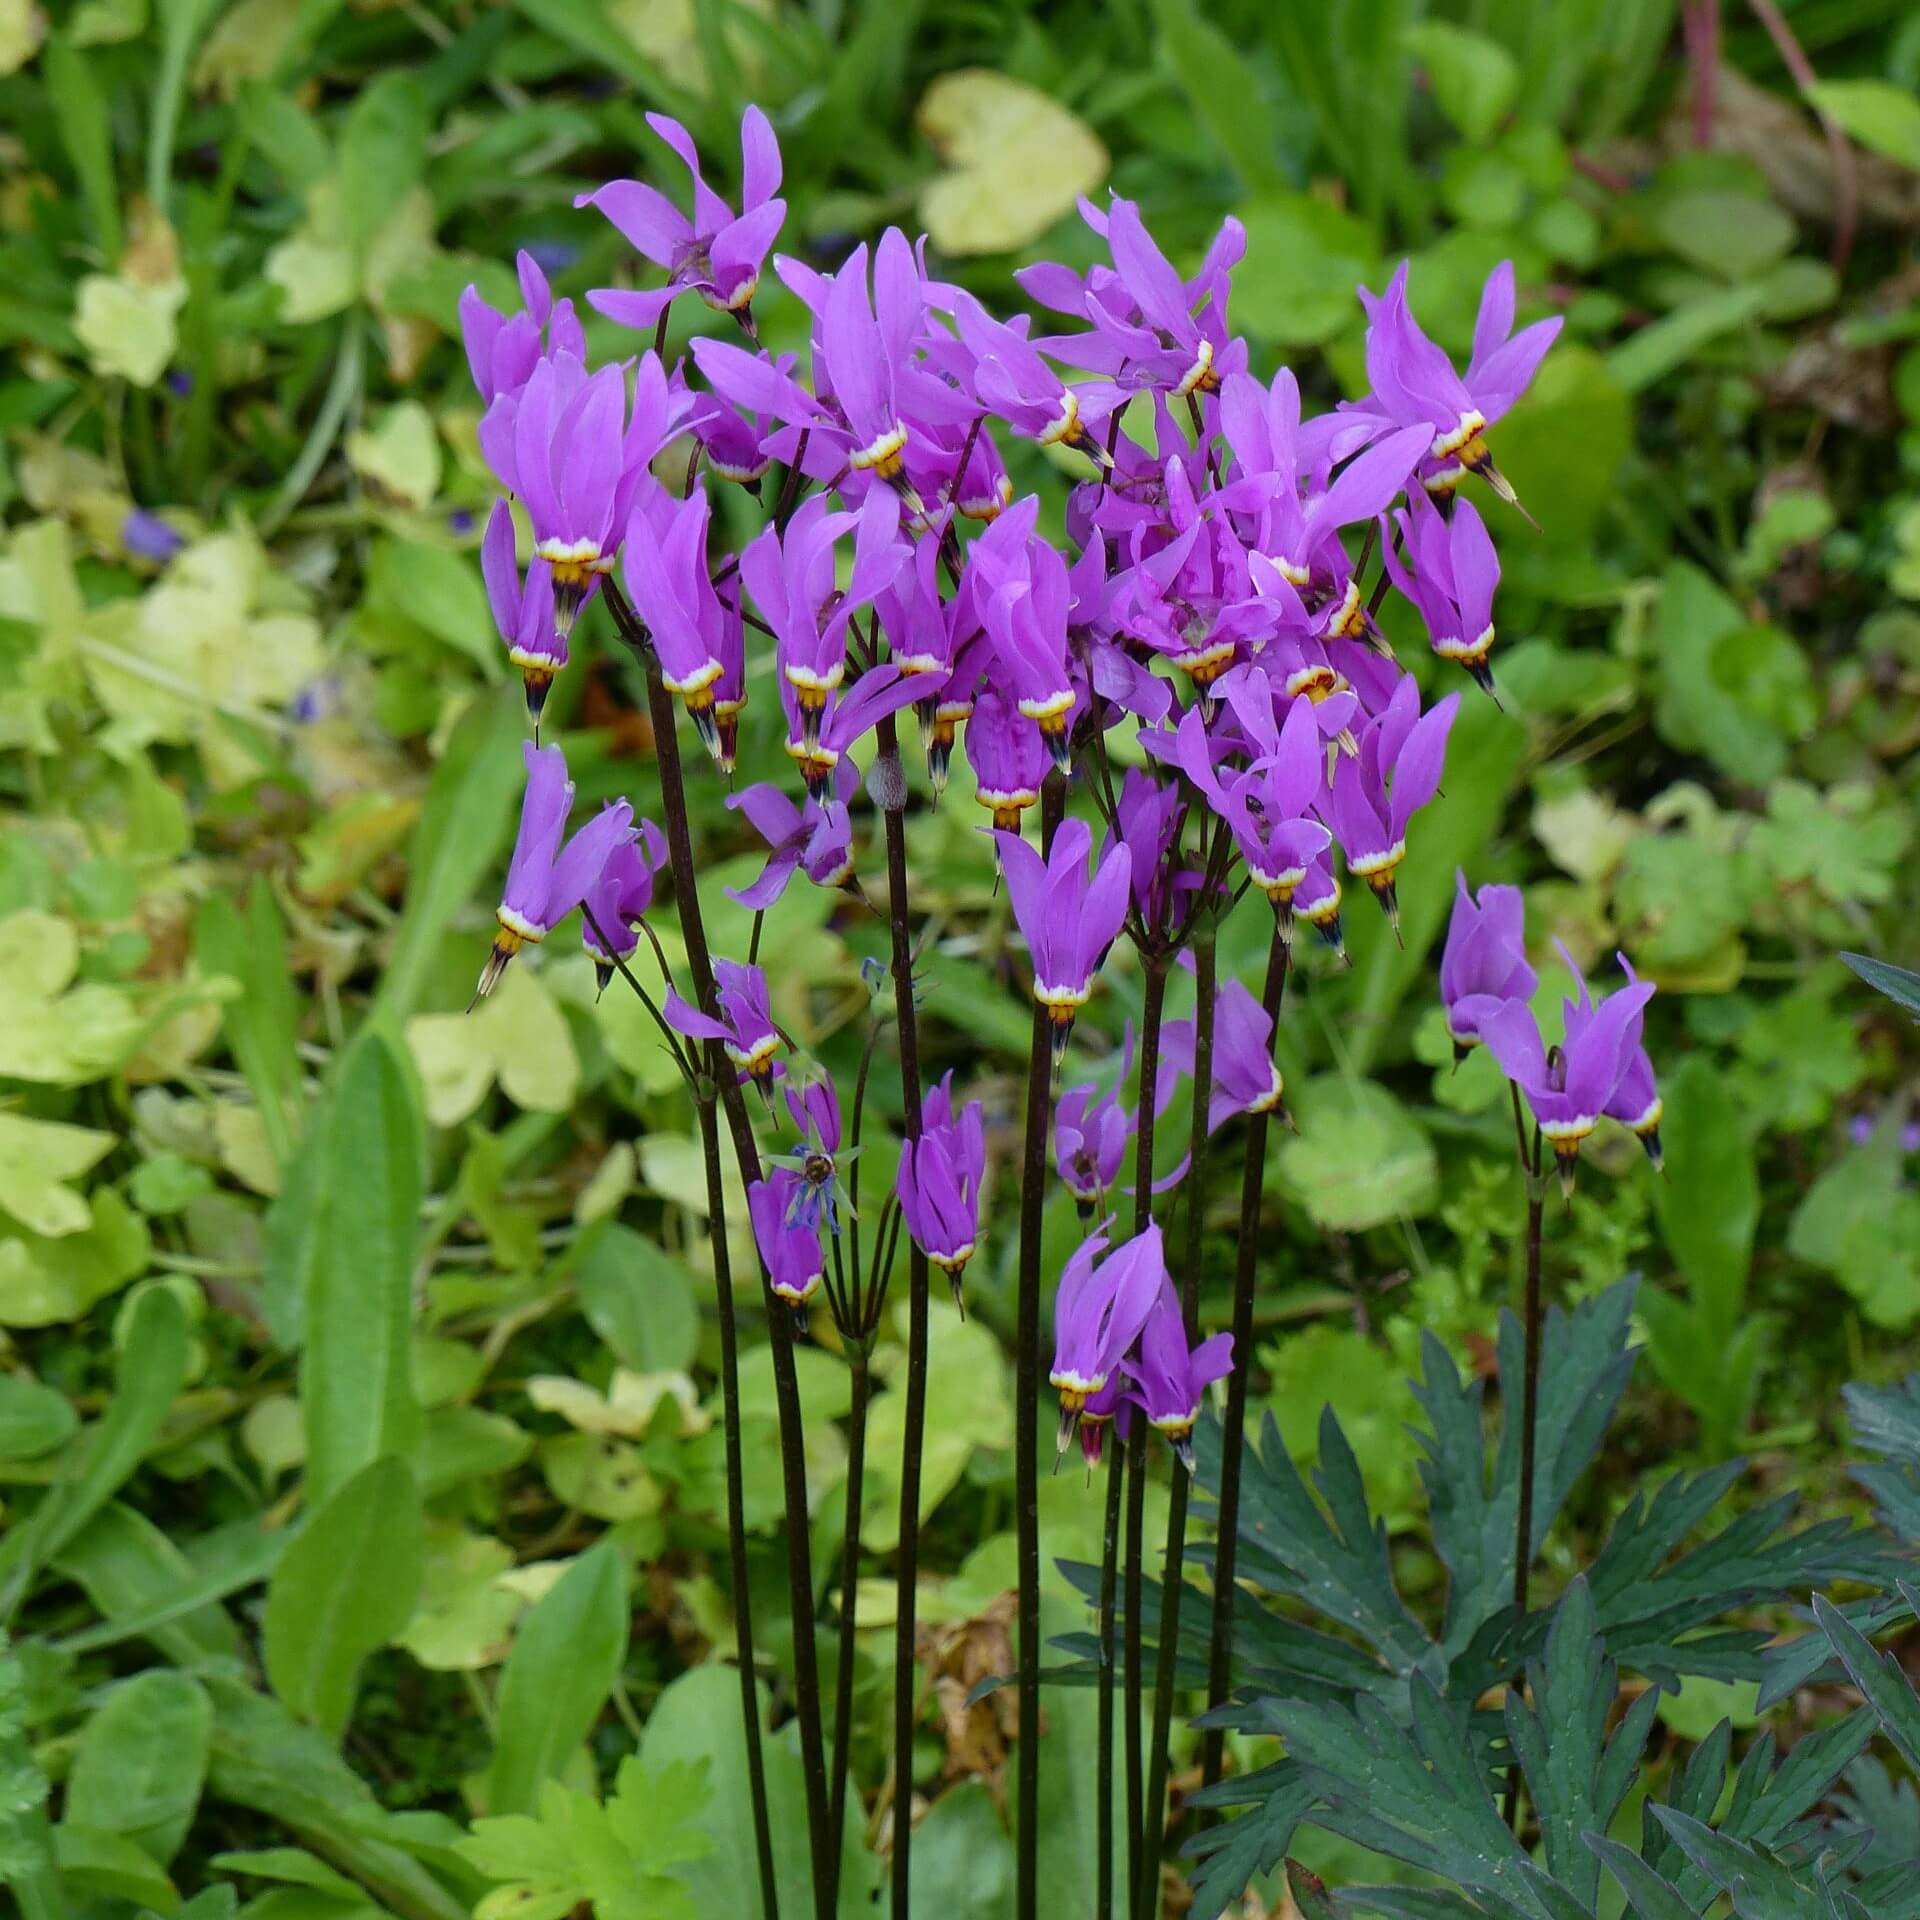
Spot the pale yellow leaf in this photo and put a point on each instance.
(1016, 161)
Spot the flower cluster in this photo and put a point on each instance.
(1216, 603)
(1599, 1071)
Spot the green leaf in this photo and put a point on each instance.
(439, 590)
(36, 1158)
(112, 1867)
(1876, 113)
(565, 1659)
(1585, 1363)
(34, 1419)
(1220, 89)
(383, 151)
(1649, 1896)
(968, 1406)
(637, 1298)
(152, 1370)
(1474, 79)
(1667, 344)
(1734, 235)
(462, 828)
(262, 1019)
(697, 1720)
(356, 1382)
(1361, 1159)
(266, 1761)
(1880, 1677)
(1900, 986)
(1709, 1206)
(962, 1866)
(80, 113)
(142, 1760)
(343, 1589)
(1304, 258)
(149, 1590)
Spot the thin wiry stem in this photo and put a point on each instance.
(1026, 1465)
(1150, 1023)
(849, 1587)
(1233, 1437)
(730, 1421)
(824, 1850)
(891, 782)
(1103, 1770)
(1171, 1582)
(1524, 1544)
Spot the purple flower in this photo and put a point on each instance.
(1452, 581)
(717, 254)
(1245, 1079)
(523, 615)
(1636, 1102)
(566, 443)
(1092, 1132)
(1020, 590)
(814, 837)
(745, 1029)
(791, 578)
(1067, 918)
(814, 1108)
(841, 724)
(503, 350)
(1484, 962)
(1007, 754)
(1146, 821)
(619, 898)
(148, 537)
(666, 569)
(1110, 1407)
(1169, 1377)
(1569, 1087)
(1375, 796)
(1266, 807)
(940, 1182)
(546, 881)
(790, 1247)
(1316, 900)
(1150, 329)
(1010, 378)
(1102, 1304)
(1414, 382)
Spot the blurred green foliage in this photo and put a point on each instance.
(326, 1307)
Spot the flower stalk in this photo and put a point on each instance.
(1171, 1582)
(1033, 1187)
(823, 1848)
(1524, 1544)
(1233, 1429)
(1151, 1019)
(890, 786)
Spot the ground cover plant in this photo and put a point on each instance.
(1024, 802)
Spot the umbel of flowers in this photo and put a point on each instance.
(1216, 601)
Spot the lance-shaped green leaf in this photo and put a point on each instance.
(1576, 1777)
(1879, 1676)
(1585, 1362)
(152, 1370)
(262, 1019)
(1900, 986)
(363, 1230)
(564, 1662)
(344, 1588)
(142, 1760)
(1649, 1896)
